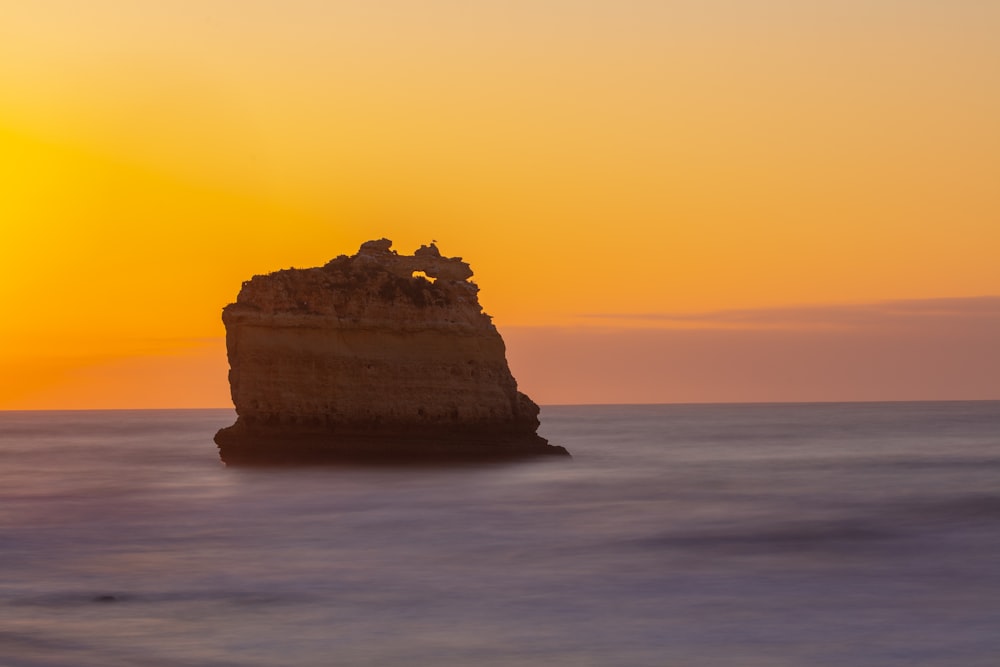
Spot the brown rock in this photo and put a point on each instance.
(364, 358)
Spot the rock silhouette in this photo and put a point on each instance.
(375, 356)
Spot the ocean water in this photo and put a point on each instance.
(827, 534)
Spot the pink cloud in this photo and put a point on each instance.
(936, 349)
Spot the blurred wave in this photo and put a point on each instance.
(824, 534)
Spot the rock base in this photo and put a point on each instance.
(239, 446)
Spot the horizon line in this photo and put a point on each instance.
(564, 405)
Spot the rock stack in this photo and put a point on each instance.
(375, 356)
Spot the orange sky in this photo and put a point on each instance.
(655, 163)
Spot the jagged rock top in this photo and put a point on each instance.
(375, 285)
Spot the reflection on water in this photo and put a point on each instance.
(860, 534)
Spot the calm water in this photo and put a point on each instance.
(839, 534)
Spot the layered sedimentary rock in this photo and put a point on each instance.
(372, 356)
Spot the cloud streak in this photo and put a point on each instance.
(899, 313)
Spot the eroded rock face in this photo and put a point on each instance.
(363, 359)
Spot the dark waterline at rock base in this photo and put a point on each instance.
(238, 446)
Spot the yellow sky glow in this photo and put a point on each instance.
(585, 157)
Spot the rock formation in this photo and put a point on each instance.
(373, 356)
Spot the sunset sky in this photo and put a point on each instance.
(663, 201)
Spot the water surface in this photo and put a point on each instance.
(833, 534)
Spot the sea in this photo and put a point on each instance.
(690, 535)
